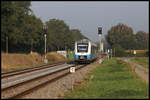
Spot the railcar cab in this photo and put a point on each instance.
(82, 50)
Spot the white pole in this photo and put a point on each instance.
(100, 44)
(45, 46)
(108, 53)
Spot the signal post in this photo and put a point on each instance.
(45, 33)
(100, 34)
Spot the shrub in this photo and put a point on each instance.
(119, 51)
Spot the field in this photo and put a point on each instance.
(137, 51)
(144, 61)
(13, 61)
(110, 80)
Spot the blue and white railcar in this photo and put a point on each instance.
(85, 51)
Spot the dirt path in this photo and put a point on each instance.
(140, 70)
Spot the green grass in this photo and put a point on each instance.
(111, 80)
(144, 61)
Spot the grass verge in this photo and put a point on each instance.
(144, 61)
(112, 80)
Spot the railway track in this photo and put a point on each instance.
(18, 83)
(26, 70)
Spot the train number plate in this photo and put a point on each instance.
(72, 69)
(82, 57)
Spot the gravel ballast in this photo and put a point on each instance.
(58, 88)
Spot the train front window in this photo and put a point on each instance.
(82, 49)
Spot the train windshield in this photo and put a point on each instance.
(82, 48)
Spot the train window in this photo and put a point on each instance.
(82, 48)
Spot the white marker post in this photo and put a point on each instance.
(134, 52)
(108, 53)
(72, 70)
(100, 60)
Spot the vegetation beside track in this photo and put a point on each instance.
(14, 61)
(112, 79)
(144, 61)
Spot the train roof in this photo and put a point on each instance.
(83, 41)
(86, 41)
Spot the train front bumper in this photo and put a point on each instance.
(82, 57)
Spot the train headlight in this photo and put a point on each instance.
(88, 56)
(76, 56)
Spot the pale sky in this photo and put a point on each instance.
(87, 16)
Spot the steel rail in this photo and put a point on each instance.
(37, 77)
(16, 82)
(43, 84)
(29, 69)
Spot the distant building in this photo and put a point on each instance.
(64, 53)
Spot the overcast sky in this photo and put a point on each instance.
(88, 16)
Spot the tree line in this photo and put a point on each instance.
(123, 35)
(121, 38)
(23, 31)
